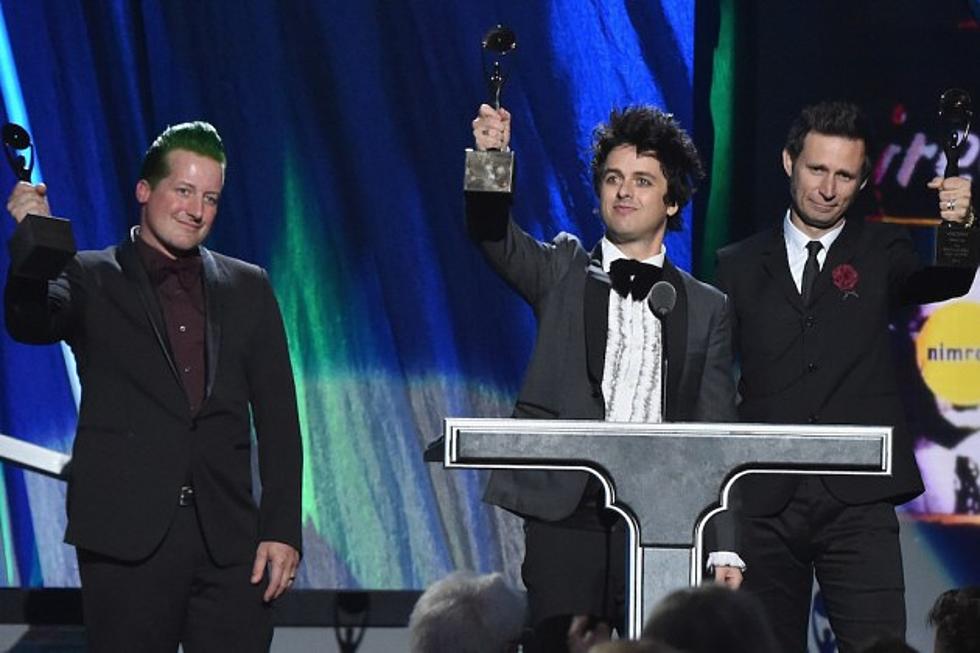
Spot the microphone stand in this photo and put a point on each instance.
(661, 301)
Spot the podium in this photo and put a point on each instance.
(666, 480)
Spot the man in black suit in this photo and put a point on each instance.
(175, 345)
(597, 356)
(811, 302)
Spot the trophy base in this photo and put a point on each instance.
(490, 171)
(957, 246)
(41, 247)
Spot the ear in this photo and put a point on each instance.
(672, 210)
(143, 191)
(787, 163)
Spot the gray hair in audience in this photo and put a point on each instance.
(467, 613)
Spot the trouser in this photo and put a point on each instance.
(854, 552)
(572, 567)
(177, 595)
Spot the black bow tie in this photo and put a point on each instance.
(186, 270)
(630, 277)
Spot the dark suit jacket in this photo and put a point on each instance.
(137, 441)
(831, 362)
(569, 293)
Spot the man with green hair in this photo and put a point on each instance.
(180, 351)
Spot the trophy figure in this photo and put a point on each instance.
(956, 245)
(41, 245)
(492, 171)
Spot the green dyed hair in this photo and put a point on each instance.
(198, 137)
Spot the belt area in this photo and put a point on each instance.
(186, 496)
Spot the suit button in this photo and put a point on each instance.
(809, 321)
(812, 367)
(812, 419)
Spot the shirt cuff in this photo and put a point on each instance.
(725, 559)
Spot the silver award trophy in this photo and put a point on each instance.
(956, 245)
(41, 245)
(492, 171)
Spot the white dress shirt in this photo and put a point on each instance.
(796, 242)
(631, 383)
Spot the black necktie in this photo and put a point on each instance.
(810, 271)
(630, 277)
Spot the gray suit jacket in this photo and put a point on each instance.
(569, 293)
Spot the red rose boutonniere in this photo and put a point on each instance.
(846, 279)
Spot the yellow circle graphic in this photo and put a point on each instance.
(948, 353)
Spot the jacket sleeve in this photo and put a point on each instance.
(716, 397)
(913, 283)
(529, 266)
(43, 312)
(274, 411)
(716, 403)
(722, 533)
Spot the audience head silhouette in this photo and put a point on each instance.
(467, 613)
(711, 619)
(956, 617)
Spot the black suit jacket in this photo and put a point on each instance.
(569, 293)
(831, 362)
(137, 441)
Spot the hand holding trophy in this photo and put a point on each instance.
(41, 245)
(957, 244)
(490, 168)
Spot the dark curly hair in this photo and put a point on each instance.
(651, 131)
(833, 118)
(956, 617)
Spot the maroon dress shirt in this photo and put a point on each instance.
(180, 290)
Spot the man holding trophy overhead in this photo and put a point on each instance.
(598, 356)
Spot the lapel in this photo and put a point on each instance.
(596, 315)
(132, 267)
(214, 283)
(675, 339)
(842, 251)
(776, 264)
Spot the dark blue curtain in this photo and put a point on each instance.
(345, 124)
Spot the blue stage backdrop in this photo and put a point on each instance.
(345, 124)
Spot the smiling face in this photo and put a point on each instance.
(824, 181)
(631, 200)
(177, 213)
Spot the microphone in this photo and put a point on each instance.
(662, 298)
(661, 301)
